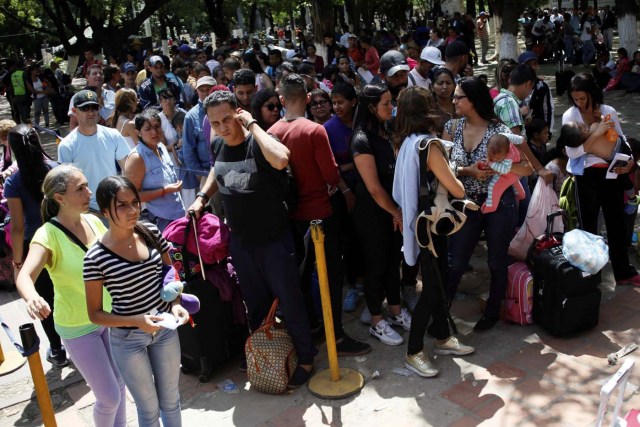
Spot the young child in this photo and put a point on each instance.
(501, 154)
(537, 131)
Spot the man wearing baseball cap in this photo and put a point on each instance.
(539, 101)
(195, 147)
(130, 72)
(92, 147)
(393, 72)
(421, 74)
(150, 86)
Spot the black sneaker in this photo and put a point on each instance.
(485, 323)
(58, 358)
(299, 378)
(347, 346)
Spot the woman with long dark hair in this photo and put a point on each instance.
(415, 123)
(444, 84)
(23, 192)
(58, 249)
(377, 217)
(150, 169)
(320, 106)
(266, 108)
(470, 135)
(584, 127)
(128, 261)
(250, 61)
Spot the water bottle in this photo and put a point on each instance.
(634, 239)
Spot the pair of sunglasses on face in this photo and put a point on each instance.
(91, 107)
(272, 106)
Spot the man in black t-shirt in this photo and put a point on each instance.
(248, 169)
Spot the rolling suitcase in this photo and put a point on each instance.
(566, 300)
(214, 335)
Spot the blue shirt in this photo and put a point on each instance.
(195, 149)
(96, 155)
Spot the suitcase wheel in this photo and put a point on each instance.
(203, 378)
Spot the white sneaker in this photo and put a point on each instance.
(403, 319)
(385, 333)
(365, 316)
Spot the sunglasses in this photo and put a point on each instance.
(272, 106)
(91, 107)
(319, 103)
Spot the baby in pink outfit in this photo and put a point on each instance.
(501, 155)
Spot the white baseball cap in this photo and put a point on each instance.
(432, 54)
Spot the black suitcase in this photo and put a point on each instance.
(566, 300)
(213, 338)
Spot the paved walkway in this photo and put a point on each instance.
(519, 376)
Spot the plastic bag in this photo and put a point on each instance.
(543, 201)
(585, 251)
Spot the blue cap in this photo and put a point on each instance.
(128, 66)
(526, 57)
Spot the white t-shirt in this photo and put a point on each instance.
(37, 85)
(96, 155)
(586, 31)
(414, 75)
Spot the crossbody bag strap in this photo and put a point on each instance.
(69, 234)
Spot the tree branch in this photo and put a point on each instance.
(27, 24)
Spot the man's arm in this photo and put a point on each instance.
(209, 189)
(276, 153)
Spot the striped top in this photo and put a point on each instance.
(134, 286)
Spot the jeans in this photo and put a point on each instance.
(430, 306)
(150, 367)
(588, 51)
(270, 270)
(499, 229)
(382, 255)
(41, 105)
(91, 354)
(568, 48)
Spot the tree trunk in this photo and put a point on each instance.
(471, 8)
(353, 12)
(508, 11)
(253, 13)
(321, 25)
(216, 18)
(627, 22)
(481, 7)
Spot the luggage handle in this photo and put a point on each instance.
(550, 217)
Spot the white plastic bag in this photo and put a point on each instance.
(543, 202)
(585, 251)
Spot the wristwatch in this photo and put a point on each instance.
(203, 195)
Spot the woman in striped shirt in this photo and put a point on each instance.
(128, 261)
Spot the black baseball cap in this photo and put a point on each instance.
(85, 97)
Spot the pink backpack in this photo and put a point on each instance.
(519, 301)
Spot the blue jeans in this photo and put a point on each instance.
(568, 47)
(150, 367)
(499, 229)
(588, 51)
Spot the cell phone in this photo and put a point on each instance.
(617, 164)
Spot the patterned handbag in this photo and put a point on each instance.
(271, 356)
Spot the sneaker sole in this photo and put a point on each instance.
(383, 341)
(419, 372)
(452, 352)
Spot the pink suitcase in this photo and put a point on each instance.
(519, 301)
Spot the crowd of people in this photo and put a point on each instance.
(158, 136)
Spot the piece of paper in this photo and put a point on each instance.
(365, 74)
(619, 160)
(168, 321)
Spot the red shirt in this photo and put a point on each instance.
(312, 165)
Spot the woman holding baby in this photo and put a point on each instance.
(586, 132)
(470, 135)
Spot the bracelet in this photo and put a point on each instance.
(346, 191)
(16, 264)
(203, 195)
(250, 123)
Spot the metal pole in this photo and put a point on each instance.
(321, 263)
(29, 337)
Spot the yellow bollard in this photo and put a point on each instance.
(335, 383)
(29, 337)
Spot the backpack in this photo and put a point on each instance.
(568, 201)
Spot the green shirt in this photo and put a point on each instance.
(507, 107)
(70, 314)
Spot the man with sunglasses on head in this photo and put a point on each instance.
(92, 147)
